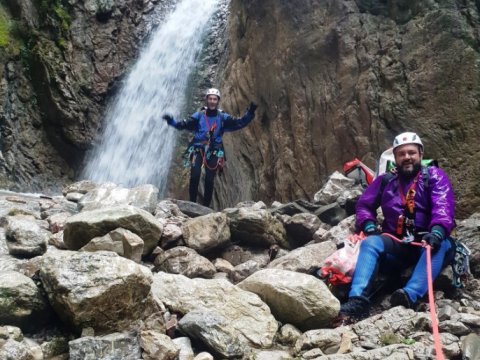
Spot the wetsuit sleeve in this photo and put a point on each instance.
(367, 205)
(231, 124)
(442, 201)
(186, 124)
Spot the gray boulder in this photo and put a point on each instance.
(192, 209)
(21, 302)
(83, 227)
(304, 259)
(110, 195)
(247, 316)
(121, 241)
(123, 346)
(207, 232)
(213, 331)
(300, 228)
(294, 298)
(100, 290)
(256, 227)
(471, 347)
(333, 188)
(25, 238)
(157, 346)
(185, 261)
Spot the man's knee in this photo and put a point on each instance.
(373, 242)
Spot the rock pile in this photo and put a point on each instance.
(112, 273)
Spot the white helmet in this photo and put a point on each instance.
(407, 138)
(213, 91)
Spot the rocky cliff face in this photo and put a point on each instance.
(61, 61)
(339, 79)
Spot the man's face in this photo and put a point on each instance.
(212, 102)
(408, 159)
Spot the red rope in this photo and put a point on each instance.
(431, 299)
(205, 162)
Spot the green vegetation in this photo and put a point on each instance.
(59, 10)
(9, 34)
(389, 338)
(4, 29)
(56, 14)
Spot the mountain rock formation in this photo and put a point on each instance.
(334, 80)
(339, 79)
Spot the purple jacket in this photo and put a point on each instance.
(434, 205)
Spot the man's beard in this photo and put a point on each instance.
(408, 174)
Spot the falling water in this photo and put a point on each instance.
(137, 145)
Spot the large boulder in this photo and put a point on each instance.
(237, 255)
(256, 227)
(192, 209)
(300, 228)
(185, 261)
(247, 316)
(21, 302)
(100, 290)
(123, 346)
(25, 237)
(84, 226)
(121, 241)
(212, 329)
(157, 346)
(299, 299)
(109, 195)
(333, 188)
(304, 259)
(339, 233)
(206, 232)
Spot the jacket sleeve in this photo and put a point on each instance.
(442, 201)
(186, 124)
(367, 205)
(231, 124)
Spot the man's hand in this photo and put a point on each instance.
(168, 118)
(435, 238)
(370, 229)
(252, 107)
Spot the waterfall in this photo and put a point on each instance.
(137, 145)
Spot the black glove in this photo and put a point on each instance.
(252, 107)
(370, 229)
(168, 118)
(435, 238)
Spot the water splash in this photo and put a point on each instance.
(137, 145)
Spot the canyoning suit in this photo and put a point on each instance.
(434, 205)
(206, 148)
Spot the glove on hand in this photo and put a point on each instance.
(168, 118)
(370, 229)
(434, 238)
(252, 107)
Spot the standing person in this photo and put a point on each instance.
(206, 147)
(417, 203)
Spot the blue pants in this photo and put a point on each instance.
(379, 251)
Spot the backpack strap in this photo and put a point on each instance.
(385, 180)
(425, 177)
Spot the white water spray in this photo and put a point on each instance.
(137, 144)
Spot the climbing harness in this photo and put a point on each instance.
(406, 222)
(431, 299)
(205, 150)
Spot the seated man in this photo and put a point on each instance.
(418, 204)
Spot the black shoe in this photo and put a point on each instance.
(356, 308)
(401, 298)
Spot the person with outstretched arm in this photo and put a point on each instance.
(206, 148)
